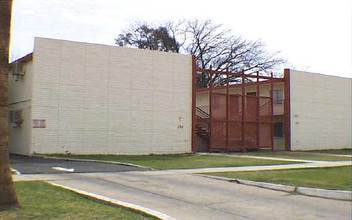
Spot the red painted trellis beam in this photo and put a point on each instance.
(272, 110)
(243, 111)
(227, 109)
(194, 100)
(230, 73)
(287, 110)
(239, 85)
(258, 109)
(210, 108)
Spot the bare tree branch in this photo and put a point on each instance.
(213, 46)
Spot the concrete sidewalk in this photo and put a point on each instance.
(280, 158)
(266, 167)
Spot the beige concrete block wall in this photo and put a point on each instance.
(106, 99)
(20, 93)
(20, 135)
(320, 111)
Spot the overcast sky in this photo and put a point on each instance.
(313, 35)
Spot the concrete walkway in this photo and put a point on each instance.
(280, 158)
(267, 167)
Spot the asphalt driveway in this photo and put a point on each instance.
(33, 165)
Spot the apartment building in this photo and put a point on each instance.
(81, 98)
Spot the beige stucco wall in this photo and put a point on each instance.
(320, 111)
(108, 99)
(20, 93)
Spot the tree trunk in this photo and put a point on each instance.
(7, 192)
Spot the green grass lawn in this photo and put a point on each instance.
(181, 161)
(297, 155)
(325, 178)
(340, 152)
(40, 200)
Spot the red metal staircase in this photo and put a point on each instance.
(202, 125)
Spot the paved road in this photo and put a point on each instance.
(31, 165)
(190, 196)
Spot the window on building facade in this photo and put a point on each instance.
(252, 93)
(278, 96)
(279, 129)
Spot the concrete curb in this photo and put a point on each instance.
(15, 172)
(323, 193)
(88, 160)
(116, 202)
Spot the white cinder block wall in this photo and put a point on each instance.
(320, 111)
(108, 99)
(20, 94)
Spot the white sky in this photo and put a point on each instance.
(313, 35)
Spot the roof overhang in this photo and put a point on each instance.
(28, 57)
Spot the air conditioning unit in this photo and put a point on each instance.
(18, 71)
(16, 117)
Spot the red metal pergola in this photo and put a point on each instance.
(237, 120)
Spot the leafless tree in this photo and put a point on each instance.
(8, 196)
(213, 46)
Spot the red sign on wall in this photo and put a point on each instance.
(38, 123)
